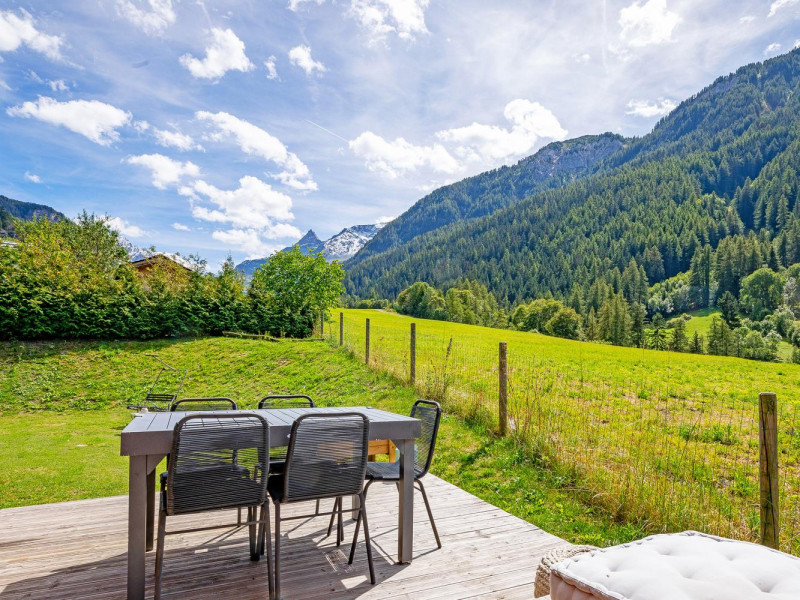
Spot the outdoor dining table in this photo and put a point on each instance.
(148, 439)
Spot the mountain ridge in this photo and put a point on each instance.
(723, 163)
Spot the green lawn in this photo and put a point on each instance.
(668, 439)
(63, 407)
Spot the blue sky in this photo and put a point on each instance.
(233, 127)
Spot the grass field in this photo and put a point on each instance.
(665, 439)
(62, 407)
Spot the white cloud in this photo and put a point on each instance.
(295, 4)
(397, 157)
(174, 139)
(254, 140)
(272, 72)
(773, 48)
(93, 119)
(125, 228)
(164, 170)
(226, 53)
(181, 227)
(406, 18)
(381, 221)
(153, 21)
(253, 206)
(301, 57)
(779, 4)
(58, 85)
(643, 108)
(647, 24)
(32, 177)
(582, 58)
(18, 30)
(796, 44)
(746, 19)
(530, 122)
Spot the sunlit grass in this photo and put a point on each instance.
(665, 439)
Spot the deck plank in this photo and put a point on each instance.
(76, 550)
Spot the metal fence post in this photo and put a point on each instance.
(366, 353)
(413, 357)
(341, 329)
(768, 468)
(503, 390)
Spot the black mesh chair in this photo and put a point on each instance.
(203, 404)
(277, 456)
(430, 414)
(218, 461)
(327, 458)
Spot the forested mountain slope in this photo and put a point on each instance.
(554, 165)
(27, 211)
(724, 162)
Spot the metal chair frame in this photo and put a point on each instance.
(175, 406)
(287, 494)
(419, 473)
(285, 401)
(259, 525)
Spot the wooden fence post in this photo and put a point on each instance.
(768, 468)
(413, 357)
(366, 353)
(503, 391)
(341, 329)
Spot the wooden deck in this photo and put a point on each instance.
(77, 549)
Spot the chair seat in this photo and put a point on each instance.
(386, 471)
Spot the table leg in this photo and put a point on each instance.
(151, 508)
(137, 525)
(405, 525)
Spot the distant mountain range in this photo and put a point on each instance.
(341, 246)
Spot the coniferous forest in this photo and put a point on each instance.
(701, 211)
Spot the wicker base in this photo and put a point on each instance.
(542, 585)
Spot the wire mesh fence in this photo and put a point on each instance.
(646, 449)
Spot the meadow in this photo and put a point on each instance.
(668, 441)
(63, 406)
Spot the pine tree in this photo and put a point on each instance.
(696, 345)
(679, 340)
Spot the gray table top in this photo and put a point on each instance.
(151, 433)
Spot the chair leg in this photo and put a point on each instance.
(430, 514)
(265, 536)
(162, 528)
(355, 538)
(363, 513)
(316, 512)
(239, 516)
(252, 512)
(333, 516)
(277, 572)
(340, 529)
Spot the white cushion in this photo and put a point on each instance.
(681, 566)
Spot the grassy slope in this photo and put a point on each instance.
(714, 378)
(51, 450)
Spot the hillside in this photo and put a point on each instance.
(723, 163)
(554, 165)
(26, 211)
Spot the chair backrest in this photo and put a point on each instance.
(327, 456)
(430, 414)
(203, 404)
(218, 460)
(286, 401)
